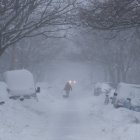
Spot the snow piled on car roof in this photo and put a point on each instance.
(20, 82)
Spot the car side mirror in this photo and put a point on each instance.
(38, 90)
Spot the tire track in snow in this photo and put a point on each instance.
(67, 122)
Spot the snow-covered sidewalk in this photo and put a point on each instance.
(68, 121)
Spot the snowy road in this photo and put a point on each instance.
(68, 121)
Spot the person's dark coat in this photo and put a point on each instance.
(68, 87)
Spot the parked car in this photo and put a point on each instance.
(126, 103)
(136, 105)
(102, 88)
(20, 84)
(128, 96)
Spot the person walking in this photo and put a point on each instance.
(67, 89)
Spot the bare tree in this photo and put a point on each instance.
(29, 54)
(118, 54)
(111, 14)
(28, 18)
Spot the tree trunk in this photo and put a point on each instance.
(118, 75)
(2, 50)
(105, 74)
(13, 59)
(124, 76)
(112, 75)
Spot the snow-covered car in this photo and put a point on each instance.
(136, 105)
(100, 88)
(128, 91)
(136, 108)
(119, 103)
(20, 84)
(123, 103)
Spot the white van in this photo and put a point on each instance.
(20, 84)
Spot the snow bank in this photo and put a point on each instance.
(25, 120)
